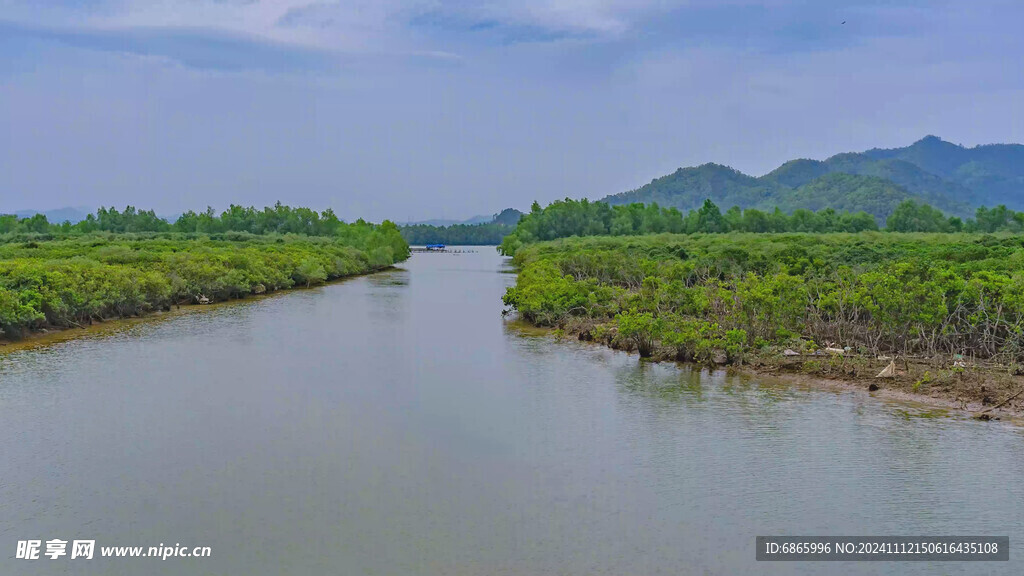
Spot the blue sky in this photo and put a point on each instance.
(439, 108)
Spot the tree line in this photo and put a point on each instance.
(276, 219)
(485, 234)
(482, 234)
(566, 218)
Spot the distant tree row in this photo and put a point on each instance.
(483, 234)
(276, 219)
(913, 217)
(569, 217)
(566, 218)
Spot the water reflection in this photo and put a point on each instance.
(388, 295)
(676, 386)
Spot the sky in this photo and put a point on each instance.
(419, 109)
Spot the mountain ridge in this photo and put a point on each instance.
(948, 176)
(71, 214)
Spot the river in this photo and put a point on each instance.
(397, 424)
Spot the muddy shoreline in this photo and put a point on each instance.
(980, 391)
(1010, 412)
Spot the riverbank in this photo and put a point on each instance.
(76, 280)
(935, 315)
(986, 392)
(978, 390)
(49, 335)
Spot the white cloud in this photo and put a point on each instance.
(598, 16)
(344, 24)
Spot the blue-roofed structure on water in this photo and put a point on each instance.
(441, 249)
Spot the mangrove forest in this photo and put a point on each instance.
(721, 297)
(118, 264)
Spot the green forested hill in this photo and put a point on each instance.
(876, 196)
(921, 184)
(687, 188)
(950, 177)
(994, 173)
(818, 186)
(796, 173)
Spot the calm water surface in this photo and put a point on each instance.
(395, 424)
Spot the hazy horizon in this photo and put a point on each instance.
(447, 110)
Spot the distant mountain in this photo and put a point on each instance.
(921, 185)
(469, 233)
(852, 192)
(507, 217)
(481, 219)
(800, 184)
(993, 172)
(687, 188)
(432, 222)
(949, 177)
(796, 173)
(56, 216)
(503, 215)
(448, 221)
